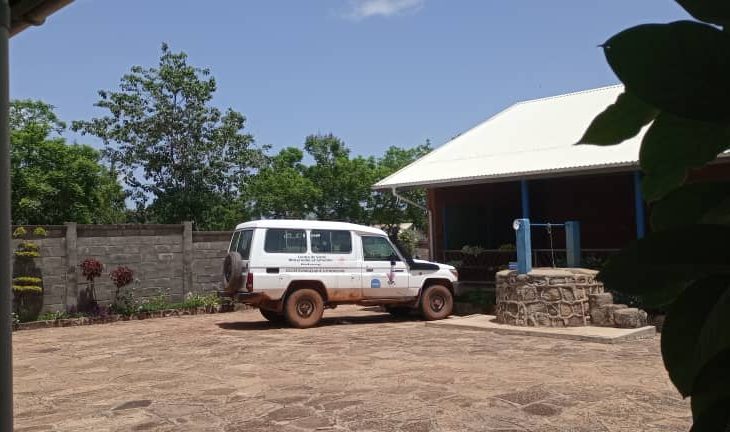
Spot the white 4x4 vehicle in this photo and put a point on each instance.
(293, 269)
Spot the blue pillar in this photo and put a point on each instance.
(639, 207)
(572, 243)
(525, 195)
(524, 245)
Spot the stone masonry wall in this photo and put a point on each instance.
(546, 297)
(210, 248)
(171, 258)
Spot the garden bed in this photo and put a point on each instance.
(91, 320)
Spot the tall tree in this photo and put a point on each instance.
(344, 183)
(181, 158)
(387, 210)
(53, 182)
(281, 190)
(677, 79)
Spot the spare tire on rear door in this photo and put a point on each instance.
(232, 273)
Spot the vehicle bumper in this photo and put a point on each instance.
(257, 299)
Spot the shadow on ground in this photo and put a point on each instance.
(326, 321)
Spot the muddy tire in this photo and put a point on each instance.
(436, 302)
(399, 311)
(233, 273)
(273, 316)
(304, 308)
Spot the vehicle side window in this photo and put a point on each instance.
(331, 241)
(234, 241)
(244, 244)
(377, 249)
(285, 241)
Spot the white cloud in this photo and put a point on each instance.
(361, 9)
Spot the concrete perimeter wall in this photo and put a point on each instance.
(171, 258)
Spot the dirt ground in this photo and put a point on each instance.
(358, 371)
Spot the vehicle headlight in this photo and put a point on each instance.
(455, 272)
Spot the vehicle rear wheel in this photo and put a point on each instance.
(399, 311)
(273, 316)
(304, 308)
(436, 302)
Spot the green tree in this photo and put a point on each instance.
(281, 190)
(344, 183)
(53, 182)
(677, 77)
(385, 208)
(181, 158)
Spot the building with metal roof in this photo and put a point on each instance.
(524, 163)
(529, 139)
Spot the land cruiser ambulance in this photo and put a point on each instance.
(293, 269)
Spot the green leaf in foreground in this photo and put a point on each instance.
(683, 327)
(659, 266)
(674, 145)
(620, 121)
(692, 203)
(680, 68)
(711, 11)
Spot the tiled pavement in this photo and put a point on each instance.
(359, 371)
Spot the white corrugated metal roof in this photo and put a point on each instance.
(529, 139)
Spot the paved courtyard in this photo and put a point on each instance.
(359, 371)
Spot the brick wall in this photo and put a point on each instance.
(172, 258)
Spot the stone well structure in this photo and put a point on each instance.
(546, 297)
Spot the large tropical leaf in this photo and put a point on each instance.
(673, 145)
(712, 11)
(659, 266)
(692, 203)
(711, 395)
(620, 121)
(681, 68)
(684, 326)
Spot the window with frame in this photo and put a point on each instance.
(244, 244)
(378, 249)
(331, 241)
(234, 241)
(285, 241)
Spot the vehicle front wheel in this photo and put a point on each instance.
(436, 302)
(273, 316)
(304, 308)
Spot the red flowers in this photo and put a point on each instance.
(91, 268)
(122, 276)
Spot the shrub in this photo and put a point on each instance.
(26, 254)
(27, 280)
(409, 240)
(156, 303)
(19, 232)
(121, 276)
(472, 250)
(53, 316)
(507, 247)
(22, 289)
(195, 300)
(91, 268)
(28, 246)
(14, 318)
(40, 232)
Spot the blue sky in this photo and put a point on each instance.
(374, 72)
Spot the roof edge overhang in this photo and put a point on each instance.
(525, 175)
(26, 13)
(528, 175)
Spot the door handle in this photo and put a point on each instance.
(368, 269)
